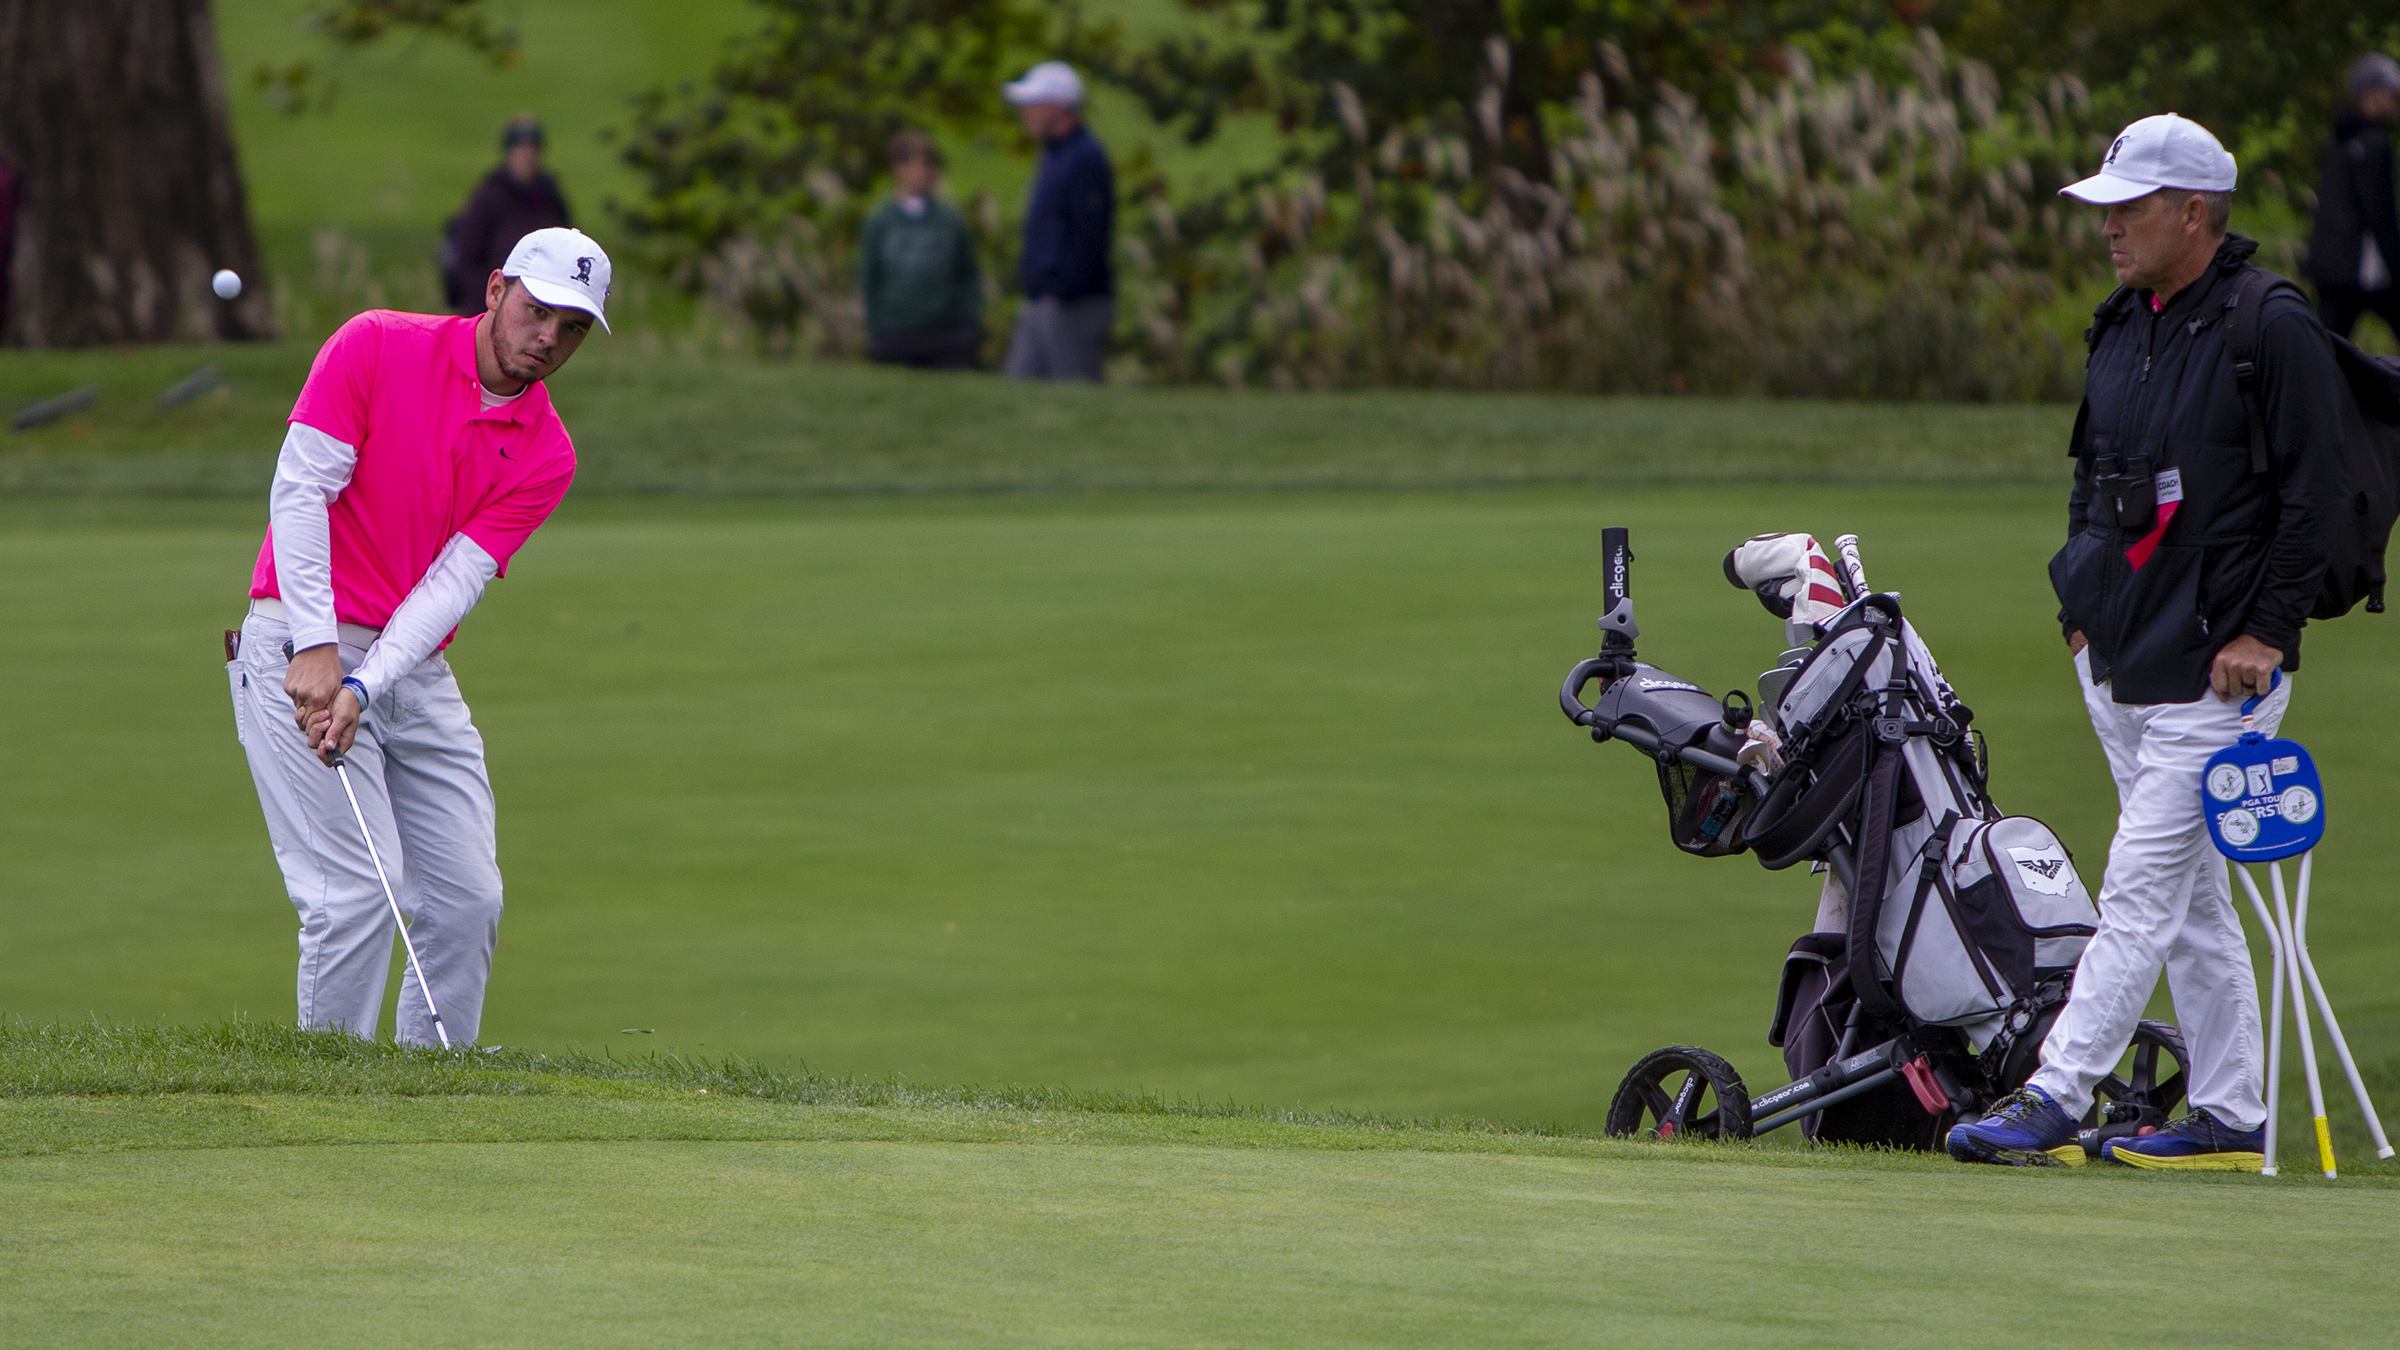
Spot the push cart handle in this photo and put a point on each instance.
(1570, 702)
(1570, 694)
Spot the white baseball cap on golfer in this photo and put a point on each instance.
(2165, 151)
(563, 269)
(1053, 83)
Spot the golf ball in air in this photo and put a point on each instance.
(226, 284)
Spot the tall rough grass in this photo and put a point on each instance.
(1838, 239)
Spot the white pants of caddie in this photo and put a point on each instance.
(2165, 904)
(417, 766)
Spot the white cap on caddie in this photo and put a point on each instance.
(563, 269)
(1051, 82)
(2165, 151)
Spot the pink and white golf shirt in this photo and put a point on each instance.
(432, 462)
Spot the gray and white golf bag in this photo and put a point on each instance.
(1964, 911)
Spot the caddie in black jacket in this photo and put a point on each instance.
(2240, 552)
(2192, 559)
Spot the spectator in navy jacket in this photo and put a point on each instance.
(1070, 229)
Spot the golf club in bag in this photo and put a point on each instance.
(1947, 932)
(2265, 803)
(342, 767)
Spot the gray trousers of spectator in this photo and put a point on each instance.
(418, 769)
(1060, 341)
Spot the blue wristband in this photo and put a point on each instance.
(358, 688)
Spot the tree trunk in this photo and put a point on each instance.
(114, 112)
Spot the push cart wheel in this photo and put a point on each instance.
(2150, 1090)
(1681, 1092)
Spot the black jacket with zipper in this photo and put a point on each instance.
(2242, 554)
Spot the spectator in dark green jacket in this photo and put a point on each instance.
(924, 289)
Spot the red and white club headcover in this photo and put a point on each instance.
(1792, 577)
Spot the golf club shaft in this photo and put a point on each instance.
(399, 921)
(2266, 920)
(2333, 1028)
(2308, 1043)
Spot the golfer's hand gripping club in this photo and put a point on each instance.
(398, 921)
(324, 715)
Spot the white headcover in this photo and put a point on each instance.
(1793, 576)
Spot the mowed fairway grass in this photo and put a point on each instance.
(1254, 797)
(513, 1200)
(1232, 797)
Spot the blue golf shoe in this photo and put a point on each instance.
(2199, 1142)
(2023, 1129)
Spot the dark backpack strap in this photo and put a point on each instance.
(2245, 310)
(2103, 318)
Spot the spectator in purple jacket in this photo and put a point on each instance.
(511, 202)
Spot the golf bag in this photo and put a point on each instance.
(1947, 931)
(1954, 914)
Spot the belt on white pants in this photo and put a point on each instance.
(356, 634)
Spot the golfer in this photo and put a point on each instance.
(2185, 579)
(422, 453)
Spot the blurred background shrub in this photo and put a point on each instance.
(1846, 236)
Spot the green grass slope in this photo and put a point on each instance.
(665, 418)
(181, 1187)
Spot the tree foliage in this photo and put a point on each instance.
(1833, 237)
(2263, 74)
(298, 86)
(796, 115)
(1834, 197)
(1410, 61)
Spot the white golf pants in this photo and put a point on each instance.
(417, 767)
(2165, 904)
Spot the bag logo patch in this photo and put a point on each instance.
(2043, 870)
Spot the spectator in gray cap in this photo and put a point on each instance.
(2355, 245)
